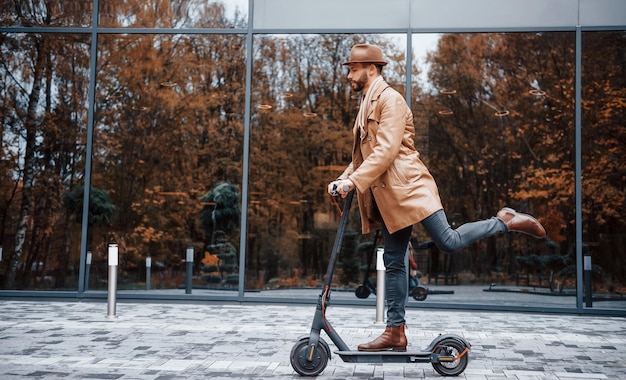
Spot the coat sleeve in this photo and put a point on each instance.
(388, 141)
(346, 173)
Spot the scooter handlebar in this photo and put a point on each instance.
(335, 192)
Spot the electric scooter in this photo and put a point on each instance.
(448, 353)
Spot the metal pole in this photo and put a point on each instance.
(87, 267)
(112, 293)
(148, 270)
(578, 167)
(189, 269)
(588, 286)
(380, 286)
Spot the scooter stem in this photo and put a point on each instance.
(319, 320)
(338, 240)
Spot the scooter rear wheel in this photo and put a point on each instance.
(362, 292)
(304, 367)
(419, 293)
(451, 347)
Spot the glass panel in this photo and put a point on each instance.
(168, 150)
(46, 13)
(174, 13)
(604, 168)
(495, 125)
(43, 97)
(303, 111)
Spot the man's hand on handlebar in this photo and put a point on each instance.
(340, 187)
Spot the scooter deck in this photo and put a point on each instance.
(390, 357)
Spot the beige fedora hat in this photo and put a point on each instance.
(364, 53)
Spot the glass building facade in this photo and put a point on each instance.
(197, 138)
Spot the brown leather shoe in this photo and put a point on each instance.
(524, 223)
(392, 339)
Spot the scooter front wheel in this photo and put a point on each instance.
(300, 355)
(450, 347)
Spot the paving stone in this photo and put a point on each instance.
(152, 341)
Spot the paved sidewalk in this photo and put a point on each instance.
(75, 340)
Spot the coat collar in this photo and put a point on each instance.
(377, 90)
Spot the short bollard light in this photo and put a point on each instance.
(189, 269)
(0, 253)
(87, 267)
(112, 290)
(380, 285)
(148, 270)
(587, 269)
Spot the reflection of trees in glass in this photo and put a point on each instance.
(502, 131)
(221, 262)
(44, 120)
(604, 152)
(101, 213)
(501, 116)
(37, 13)
(169, 122)
(172, 14)
(221, 211)
(101, 209)
(299, 145)
(220, 220)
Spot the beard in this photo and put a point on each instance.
(359, 83)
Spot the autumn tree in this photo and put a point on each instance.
(46, 117)
(494, 128)
(169, 127)
(604, 149)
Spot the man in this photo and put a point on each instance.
(395, 189)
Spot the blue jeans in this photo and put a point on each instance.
(449, 240)
(446, 239)
(396, 276)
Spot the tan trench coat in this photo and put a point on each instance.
(386, 162)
